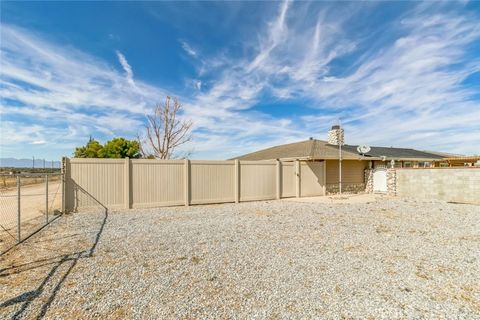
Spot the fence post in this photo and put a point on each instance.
(279, 179)
(237, 181)
(63, 171)
(127, 184)
(186, 173)
(324, 177)
(46, 196)
(297, 178)
(19, 220)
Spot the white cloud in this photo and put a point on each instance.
(406, 92)
(38, 142)
(188, 49)
(198, 84)
(69, 96)
(128, 69)
(62, 96)
(38, 73)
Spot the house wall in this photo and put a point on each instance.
(405, 164)
(353, 175)
(380, 164)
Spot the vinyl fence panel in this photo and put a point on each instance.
(140, 183)
(157, 183)
(97, 180)
(312, 180)
(257, 180)
(212, 181)
(287, 179)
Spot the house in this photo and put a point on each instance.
(353, 163)
(463, 161)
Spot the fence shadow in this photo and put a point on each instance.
(69, 260)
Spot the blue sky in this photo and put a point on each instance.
(249, 74)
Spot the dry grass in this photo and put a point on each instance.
(9, 182)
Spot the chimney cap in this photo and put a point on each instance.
(336, 127)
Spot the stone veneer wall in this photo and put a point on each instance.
(369, 180)
(346, 188)
(391, 182)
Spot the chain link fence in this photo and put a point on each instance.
(28, 202)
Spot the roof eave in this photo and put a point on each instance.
(411, 159)
(296, 158)
(347, 158)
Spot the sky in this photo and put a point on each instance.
(249, 74)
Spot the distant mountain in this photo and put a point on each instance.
(27, 163)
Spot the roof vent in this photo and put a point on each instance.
(311, 138)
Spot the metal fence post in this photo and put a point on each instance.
(46, 196)
(19, 236)
(63, 173)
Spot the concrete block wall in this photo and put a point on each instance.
(448, 184)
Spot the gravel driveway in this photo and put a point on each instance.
(387, 259)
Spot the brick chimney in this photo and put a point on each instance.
(336, 136)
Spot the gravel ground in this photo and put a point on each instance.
(382, 260)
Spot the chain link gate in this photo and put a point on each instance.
(28, 202)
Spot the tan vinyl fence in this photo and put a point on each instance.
(141, 183)
(288, 174)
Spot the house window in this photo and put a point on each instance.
(407, 164)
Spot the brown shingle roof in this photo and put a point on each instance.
(319, 149)
(308, 149)
(397, 153)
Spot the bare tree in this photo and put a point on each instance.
(165, 131)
